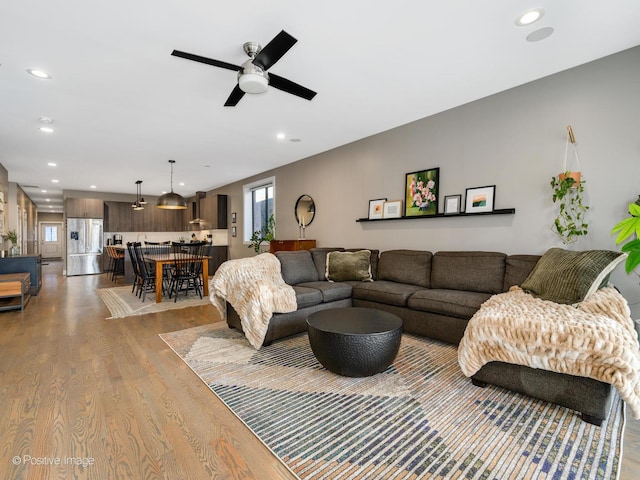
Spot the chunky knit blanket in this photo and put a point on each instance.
(596, 339)
(255, 289)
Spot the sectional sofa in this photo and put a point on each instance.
(435, 295)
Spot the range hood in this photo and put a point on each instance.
(198, 222)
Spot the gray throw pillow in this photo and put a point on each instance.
(568, 277)
(349, 266)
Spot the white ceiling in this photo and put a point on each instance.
(123, 106)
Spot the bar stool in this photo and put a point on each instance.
(116, 257)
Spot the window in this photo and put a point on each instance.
(51, 234)
(259, 202)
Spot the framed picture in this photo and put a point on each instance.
(452, 204)
(233, 217)
(234, 231)
(375, 208)
(392, 209)
(480, 199)
(421, 193)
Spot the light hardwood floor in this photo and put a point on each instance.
(75, 387)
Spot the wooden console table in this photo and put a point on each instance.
(291, 245)
(14, 290)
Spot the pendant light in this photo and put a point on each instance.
(140, 201)
(172, 201)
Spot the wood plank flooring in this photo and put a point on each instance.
(108, 399)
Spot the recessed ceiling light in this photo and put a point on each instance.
(43, 191)
(93, 186)
(280, 136)
(52, 164)
(539, 34)
(47, 199)
(181, 184)
(38, 73)
(530, 16)
(46, 129)
(55, 180)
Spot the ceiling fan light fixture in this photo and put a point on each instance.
(171, 201)
(253, 83)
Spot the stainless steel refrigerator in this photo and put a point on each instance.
(84, 246)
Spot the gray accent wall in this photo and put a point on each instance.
(514, 139)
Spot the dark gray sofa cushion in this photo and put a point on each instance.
(331, 291)
(383, 291)
(518, 269)
(456, 303)
(319, 256)
(297, 267)
(373, 259)
(470, 271)
(306, 297)
(412, 267)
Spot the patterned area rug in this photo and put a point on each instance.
(122, 303)
(421, 418)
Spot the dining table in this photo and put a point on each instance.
(162, 259)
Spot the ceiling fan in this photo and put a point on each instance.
(252, 74)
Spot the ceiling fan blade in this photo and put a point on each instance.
(208, 61)
(290, 87)
(274, 50)
(234, 98)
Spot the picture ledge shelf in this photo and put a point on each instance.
(503, 211)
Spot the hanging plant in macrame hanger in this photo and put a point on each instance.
(568, 190)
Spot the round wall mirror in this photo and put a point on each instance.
(305, 210)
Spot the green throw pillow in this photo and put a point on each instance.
(564, 276)
(345, 266)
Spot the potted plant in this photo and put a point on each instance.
(570, 224)
(12, 236)
(266, 234)
(629, 232)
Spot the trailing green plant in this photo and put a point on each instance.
(265, 234)
(570, 224)
(627, 229)
(12, 236)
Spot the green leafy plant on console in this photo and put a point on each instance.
(570, 224)
(12, 236)
(266, 234)
(627, 229)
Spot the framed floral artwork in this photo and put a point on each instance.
(392, 209)
(375, 208)
(480, 199)
(421, 193)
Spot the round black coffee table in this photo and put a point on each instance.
(354, 341)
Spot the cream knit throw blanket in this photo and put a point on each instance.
(597, 339)
(255, 289)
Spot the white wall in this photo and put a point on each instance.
(514, 139)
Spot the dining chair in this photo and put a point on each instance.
(137, 277)
(147, 272)
(186, 273)
(161, 250)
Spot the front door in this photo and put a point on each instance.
(51, 239)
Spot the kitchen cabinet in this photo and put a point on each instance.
(213, 210)
(24, 263)
(120, 217)
(117, 216)
(84, 207)
(218, 255)
(291, 245)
